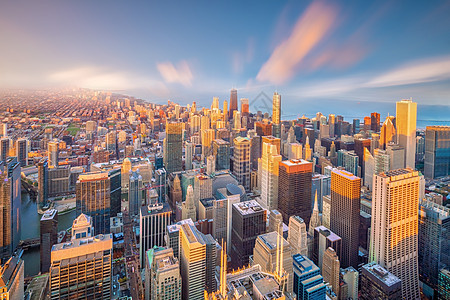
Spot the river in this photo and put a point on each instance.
(30, 229)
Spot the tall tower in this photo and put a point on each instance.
(406, 118)
(225, 110)
(135, 193)
(22, 151)
(330, 268)
(241, 161)
(5, 143)
(49, 237)
(215, 103)
(193, 262)
(387, 133)
(315, 218)
(394, 233)
(437, 154)
(269, 176)
(294, 192)
(344, 214)
(297, 236)
(42, 183)
(173, 147)
(188, 210)
(276, 114)
(233, 103)
(53, 154)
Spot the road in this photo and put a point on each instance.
(132, 259)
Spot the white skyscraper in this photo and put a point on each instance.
(406, 118)
(394, 228)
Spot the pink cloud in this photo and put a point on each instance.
(311, 28)
(176, 74)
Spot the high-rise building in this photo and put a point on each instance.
(5, 144)
(3, 129)
(274, 254)
(42, 183)
(294, 194)
(388, 132)
(434, 241)
(444, 284)
(331, 124)
(241, 161)
(276, 115)
(162, 275)
(394, 227)
(153, 223)
(379, 283)
(189, 153)
(10, 207)
(111, 141)
(331, 269)
(356, 126)
(344, 214)
(244, 107)
(83, 266)
(324, 239)
(49, 237)
(308, 283)
(437, 151)
(173, 147)
(375, 122)
(225, 111)
(12, 279)
(249, 220)
(297, 236)
(94, 199)
(221, 151)
(269, 176)
(53, 151)
(351, 278)
(233, 103)
(192, 262)
(22, 151)
(135, 193)
(406, 118)
(222, 214)
(188, 209)
(349, 160)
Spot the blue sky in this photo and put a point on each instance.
(193, 50)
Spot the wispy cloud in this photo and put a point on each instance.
(416, 72)
(241, 58)
(176, 74)
(310, 29)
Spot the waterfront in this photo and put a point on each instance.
(30, 229)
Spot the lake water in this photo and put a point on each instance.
(30, 229)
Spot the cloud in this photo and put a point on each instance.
(102, 79)
(240, 59)
(311, 28)
(181, 74)
(417, 72)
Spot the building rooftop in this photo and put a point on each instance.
(328, 233)
(381, 275)
(304, 264)
(176, 227)
(248, 207)
(399, 174)
(156, 208)
(49, 214)
(270, 240)
(345, 174)
(81, 242)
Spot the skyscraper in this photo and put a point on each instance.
(49, 237)
(388, 132)
(173, 147)
(331, 268)
(42, 183)
(153, 223)
(221, 151)
(437, 151)
(233, 103)
(344, 214)
(308, 283)
(22, 151)
(324, 239)
(249, 220)
(394, 228)
(82, 267)
(406, 117)
(434, 241)
(241, 161)
(269, 163)
(192, 262)
(297, 236)
(162, 275)
(94, 199)
(5, 143)
(188, 209)
(276, 114)
(244, 107)
(375, 122)
(53, 154)
(10, 207)
(12, 282)
(294, 194)
(135, 193)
